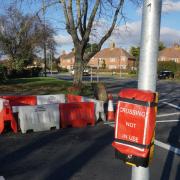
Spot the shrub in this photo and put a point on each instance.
(168, 65)
(30, 72)
(3, 73)
(60, 69)
(177, 75)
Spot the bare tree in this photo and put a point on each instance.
(79, 18)
(21, 37)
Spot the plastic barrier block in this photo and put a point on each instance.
(21, 100)
(77, 114)
(6, 115)
(99, 108)
(74, 98)
(51, 99)
(39, 118)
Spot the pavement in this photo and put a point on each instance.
(84, 154)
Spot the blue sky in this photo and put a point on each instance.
(124, 36)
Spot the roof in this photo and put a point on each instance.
(173, 52)
(67, 56)
(113, 53)
(104, 53)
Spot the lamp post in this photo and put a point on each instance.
(148, 60)
(44, 32)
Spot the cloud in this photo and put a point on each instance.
(170, 6)
(126, 35)
(167, 6)
(63, 39)
(169, 36)
(129, 35)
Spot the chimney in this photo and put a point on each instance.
(112, 45)
(176, 45)
(63, 52)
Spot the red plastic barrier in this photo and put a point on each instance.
(74, 98)
(21, 100)
(7, 115)
(77, 114)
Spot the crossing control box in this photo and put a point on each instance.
(134, 126)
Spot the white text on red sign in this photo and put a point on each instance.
(132, 125)
(133, 112)
(130, 138)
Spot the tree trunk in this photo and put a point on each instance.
(78, 71)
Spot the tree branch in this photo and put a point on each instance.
(65, 15)
(90, 22)
(85, 11)
(108, 34)
(71, 23)
(79, 17)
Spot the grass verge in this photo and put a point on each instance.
(40, 86)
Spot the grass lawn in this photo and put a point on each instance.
(40, 85)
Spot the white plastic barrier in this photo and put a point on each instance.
(51, 99)
(2, 104)
(99, 108)
(39, 118)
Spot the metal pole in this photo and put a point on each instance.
(148, 60)
(98, 71)
(45, 58)
(91, 74)
(51, 56)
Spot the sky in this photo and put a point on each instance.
(125, 35)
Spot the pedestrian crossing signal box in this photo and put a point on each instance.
(134, 126)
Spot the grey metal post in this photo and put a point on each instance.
(98, 71)
(148, 60)
(51, 62)
(91, 75)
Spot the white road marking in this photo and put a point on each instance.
(165, 121)
(108, 123)
(2, 178)
(163, 100)
(172, 105)
(167, 147)
(158, 143)
(169, 114)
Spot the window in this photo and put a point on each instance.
(123, 58)
(112, 66)
(175, 60)
(112, 59)
(123, 67)
(162, 59)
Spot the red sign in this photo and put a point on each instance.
(131, 124)
(135, 124)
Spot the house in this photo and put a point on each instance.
(111, 58)
(67, 60)
(170, 54)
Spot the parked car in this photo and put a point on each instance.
(86, 72)
(165, 75)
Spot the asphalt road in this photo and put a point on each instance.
(86, 154)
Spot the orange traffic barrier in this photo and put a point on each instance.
(7, 115)
(78, 114)
(21, 100)
(110, 113)
(74, 98)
